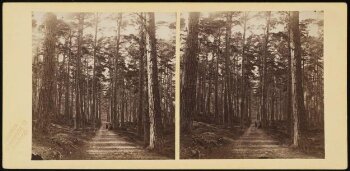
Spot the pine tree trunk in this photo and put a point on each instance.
(273, 94)
(299, 125)
(264, 80)
(115, 88)
(146, 119)
(153, 87)
(123, 101)
(87, 96)
(46, 100)
(141, 63)
(36, 88)
(78, 117)
(228, 101)
(209, 92)
(216, 104)
(188, 93)
(67, 93)
(290, 84)
(93, 108)
(243, 91)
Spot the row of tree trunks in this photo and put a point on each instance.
(223, 96)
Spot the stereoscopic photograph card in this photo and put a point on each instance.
(175, 85)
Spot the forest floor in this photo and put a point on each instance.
(130, 133)
(313, 145)
(213, 142)
(64, 143)
(111, 145)
(255, 143)
(206, 139)
(60, 142)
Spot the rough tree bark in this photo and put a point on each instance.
(141, 79)
(46, 101)
(146, 120)
(188, 93)
(299, 118)
(115, 96)
(290, 84)
(228, 112)
(216, 104)
(243, 91)
(93, 109)
(78, 111)
(264, 74)
(67, 80)
(153, 87)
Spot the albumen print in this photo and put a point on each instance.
(103, 86)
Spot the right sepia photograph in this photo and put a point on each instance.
(251, 85)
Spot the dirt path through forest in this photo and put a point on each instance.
(108, 145)
(255, 143)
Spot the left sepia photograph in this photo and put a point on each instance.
(103, 86)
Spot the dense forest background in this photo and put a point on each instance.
(92, 69)
(239, 68)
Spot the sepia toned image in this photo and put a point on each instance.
(164, 85)
(103, 86)
(252, 85)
